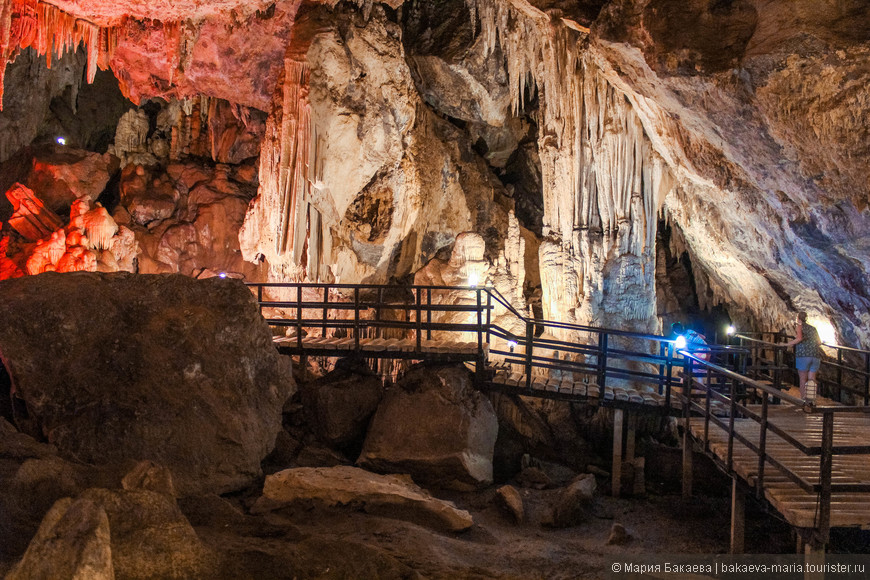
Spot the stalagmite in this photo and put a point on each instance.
(99, 227)
(47, 253)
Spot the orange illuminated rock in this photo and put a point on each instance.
(31, 219)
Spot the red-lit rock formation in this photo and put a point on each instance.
(30, 217)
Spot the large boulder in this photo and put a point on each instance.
(72, 542)
(150, 537)
(116, 368)
(135, 533)
(61, 175)
(389, 495)
(340, 404)
(436, 427)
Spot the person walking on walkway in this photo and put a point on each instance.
(807, 352)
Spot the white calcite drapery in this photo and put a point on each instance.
(282, 226)
(603, 183)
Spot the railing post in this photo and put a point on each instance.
(839, 372)
(299, 316)
(419, 321)
(669, 378)
(729, 461)
(478, 367)
(825, 468)
(866, 379)
(356, 318)
(602, 364)
(762, 448)
(777, 363)
(325, 309)
(661, 367)
(428, 314)
(687, 431)
(707, 405)
(260, 296)
(488, 314)
(378, 311)
(530, 334)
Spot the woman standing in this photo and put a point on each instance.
(807, 352)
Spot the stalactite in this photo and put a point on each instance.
(293, 158)
(603, 183)
(282, 225)
(51, 32)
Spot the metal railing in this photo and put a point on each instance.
(738, 386)
(598, 355)
(848, 373)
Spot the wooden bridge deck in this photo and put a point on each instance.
(798, 506)
(379, 348)
(816, 477)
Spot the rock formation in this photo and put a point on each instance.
(447, 430)
(164, 368)
(391, 133)
(390, 495)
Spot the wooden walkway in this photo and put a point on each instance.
(809, 463)
(397, 348)
(800, 507)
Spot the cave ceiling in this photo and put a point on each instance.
(749, 120)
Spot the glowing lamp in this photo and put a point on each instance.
(61, 140)
(730, 330)
(512, 344)
(222, 275)
(826, 330)
(473, 279)
(680, 343)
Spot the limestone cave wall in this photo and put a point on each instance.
(355, 142)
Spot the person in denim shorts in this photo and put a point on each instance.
(807, 352)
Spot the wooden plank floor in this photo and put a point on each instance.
(576, 390)
(379, 347)
(799, 507)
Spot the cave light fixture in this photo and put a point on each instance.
(512, 344)
(222, 275)
(680, 342)
(730, 330)
(473, 279)
(61, 140)
(825, 328)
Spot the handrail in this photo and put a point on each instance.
(846, 348)
(826, 450)
(745, 380)
(760, 341)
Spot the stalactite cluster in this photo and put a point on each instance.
(51, 32)
(603, 183)
(282, 225)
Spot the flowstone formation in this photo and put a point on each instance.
(389, 129)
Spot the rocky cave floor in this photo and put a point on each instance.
(330, 543)
(313, 541)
